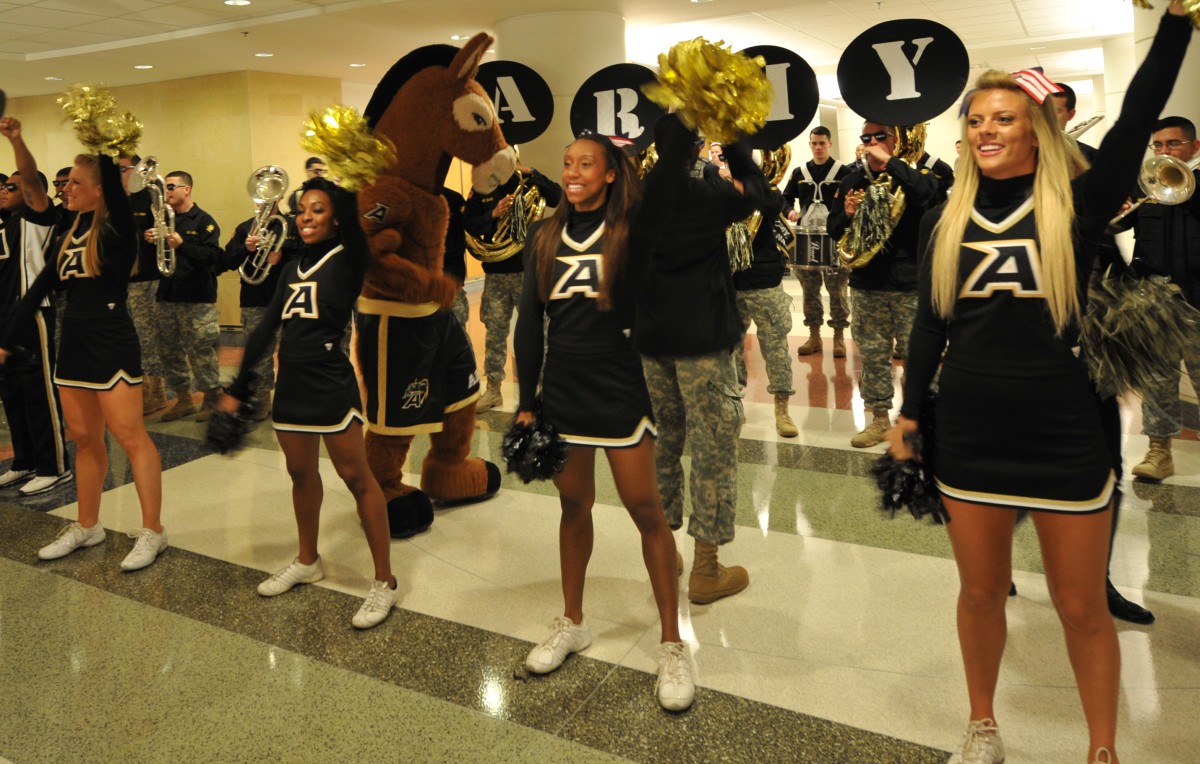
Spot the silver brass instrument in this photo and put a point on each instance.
(145, 175)
(882, 206)
(509, 238)
(266, 186)
(1165, 180)
(1085, 125)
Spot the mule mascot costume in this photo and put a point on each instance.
(418, 369)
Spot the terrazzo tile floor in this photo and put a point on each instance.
(842, 649)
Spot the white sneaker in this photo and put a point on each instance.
(295, 573)
(71, 538)
(43, 483)
(675, 688)
(145, 550)
(376, 607)
(981, 744)
(14, 476)
(567, 637)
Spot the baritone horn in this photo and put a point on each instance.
(145, 175)
(266, 186)
(1164, 179)
(526, 209)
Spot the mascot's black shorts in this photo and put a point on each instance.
(417, 366)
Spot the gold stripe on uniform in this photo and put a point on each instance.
(1026, 502)
(373, 307)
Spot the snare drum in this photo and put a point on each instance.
(815, 251)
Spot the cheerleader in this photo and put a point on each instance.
(1018, 426)
(99, 371)
(316, 392)
(594, 394)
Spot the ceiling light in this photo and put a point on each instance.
(263, 55)
(1037, 47)
(237, 2)
(54, 79)
(701, 2)
(460, 37)
(357, 66)
(142, 66)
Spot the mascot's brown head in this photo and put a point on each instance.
(430, 106)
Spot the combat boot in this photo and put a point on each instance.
(206, 408)
(154, 395)
(183, 406)
(839, 344)
(710, 580)
(783, 420)
(813, 345)
(872, 434)
(491, 397)
(1158, 463)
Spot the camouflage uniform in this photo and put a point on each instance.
(703, 387)
(501, 296)
(191, 332)
(265, 368)
(879, 317)
(462, 309)
(1160, 404)
(771, 311)
(140, 303)
(836, 280)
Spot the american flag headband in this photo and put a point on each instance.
(1033, 81)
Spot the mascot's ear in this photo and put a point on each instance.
(466, 63)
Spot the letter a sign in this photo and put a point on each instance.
(523, 101)
(903, 72)
(610, 102)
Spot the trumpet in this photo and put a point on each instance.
(1165, 180)
(266, 186)
(145, 175)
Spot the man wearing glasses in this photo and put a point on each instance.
(1168, 244)
(40, 461)
(314, 167)
(187, 303)
(883, 293)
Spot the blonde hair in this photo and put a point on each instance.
(1057, 161)
(91, 251)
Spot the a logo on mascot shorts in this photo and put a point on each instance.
(522, 99)
(415, 394)
(610, 102)
(903, 72)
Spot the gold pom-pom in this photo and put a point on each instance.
(355, 154)
(721, 94)
(98, 125)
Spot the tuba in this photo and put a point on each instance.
(1165, 180)
(266, 186)
(882, 203)
(509, 239)
(145, 175)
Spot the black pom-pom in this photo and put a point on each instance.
(226, 431)
(910, 483)
(534, 452)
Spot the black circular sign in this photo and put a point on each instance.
(523, 101)
(903, 72)
(611, 102)
(796, 96)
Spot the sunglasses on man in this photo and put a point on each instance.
(10, 187)
(880, 136)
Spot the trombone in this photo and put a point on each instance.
(1164, 179)
(145, 175)
(266, 186)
